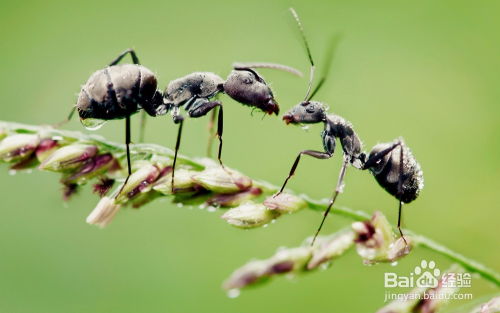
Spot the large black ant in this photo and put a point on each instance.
(393, 165)
(119, 91)
(194, 92)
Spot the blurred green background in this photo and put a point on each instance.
(425, 70)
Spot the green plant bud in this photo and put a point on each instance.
(18, 147)
(234, 199)
(104, 212)
(218, 180)
(330, 247)
(139, 182)
(284, 261)
(376, 241)
(45, 149)
(93, 167)
(68, 157)
(183, 182)
(249, 215)
(285, 203)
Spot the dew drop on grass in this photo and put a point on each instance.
(233, 293)
(12, 172)
(92, 123)
(395, 263)
(180, 205)
(211, 209)
(265, 225)
(305, 127)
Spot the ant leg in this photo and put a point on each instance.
(400, 190)
(338, 189)
(314, 154)
(135, 60)
(372, 160)
(127, 145)
(378, 156)
(200, 108)
(220, 124)
(177, 119)
(211, 124)
(143, 126)
(70, 115)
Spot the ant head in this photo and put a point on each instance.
(247, 87)
(306, 112)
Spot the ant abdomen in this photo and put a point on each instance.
(389, 173)
(116, 92)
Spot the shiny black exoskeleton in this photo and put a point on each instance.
(195, 93)
(396, 170)
(117, 92)
(393, 165)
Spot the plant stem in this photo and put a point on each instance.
(149, 150)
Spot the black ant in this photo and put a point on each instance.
(117, 92)
(393, 165)
(194, 92)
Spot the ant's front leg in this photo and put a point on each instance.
(200, 107)
(315, 154)
(328, 145)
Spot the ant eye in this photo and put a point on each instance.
(310, 109)
(304, 104)
(247, 80)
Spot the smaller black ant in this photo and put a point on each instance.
(393, 165)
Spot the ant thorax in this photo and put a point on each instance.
(339, 127)
(195, 85)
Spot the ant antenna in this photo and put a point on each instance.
(274, 66)
(332, 47)
(308, 50)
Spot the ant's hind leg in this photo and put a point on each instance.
(135, 60)
(337, 191)
(127, 145)
(178, 119)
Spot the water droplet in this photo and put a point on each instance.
(92, 123)
(273, 221)
(211, 209)
(265, 225)
(12, 172)
(233, 293)
(324, 266)
(394, 263)
(180, 205)
(305, 127)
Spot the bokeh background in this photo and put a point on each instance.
(425, 70)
